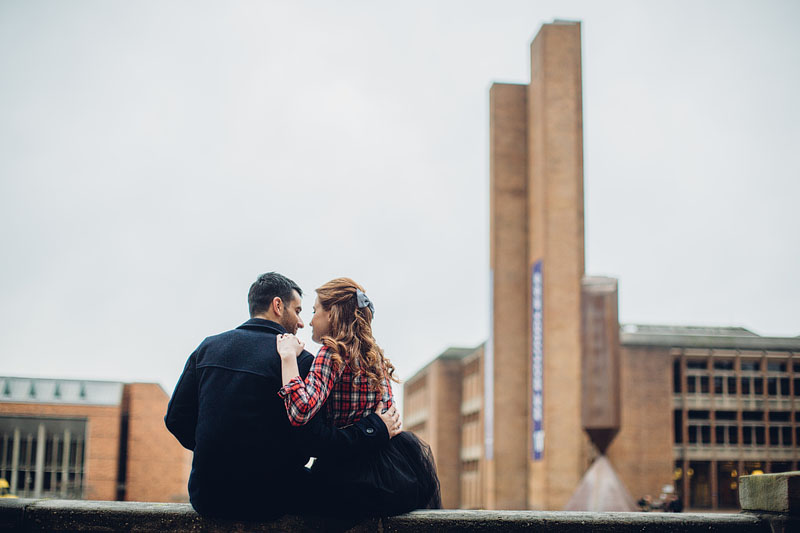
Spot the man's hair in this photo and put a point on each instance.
(266, 288)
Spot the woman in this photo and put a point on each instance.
(352, 374)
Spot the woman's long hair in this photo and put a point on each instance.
(350, 338)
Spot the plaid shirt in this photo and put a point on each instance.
(351, 398)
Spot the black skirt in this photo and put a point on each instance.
(399, 478)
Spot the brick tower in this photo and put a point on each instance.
(537, 263)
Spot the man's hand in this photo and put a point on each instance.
(391, 418)
(289, 346)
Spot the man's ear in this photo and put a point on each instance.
(277, 306)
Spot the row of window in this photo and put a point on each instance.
(749, 385)
(745, 365)
(726, 430)
(772, 416)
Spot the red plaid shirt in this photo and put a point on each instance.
(351, 398)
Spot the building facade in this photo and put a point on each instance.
(96, 440)
(692, 408)
(700, 407)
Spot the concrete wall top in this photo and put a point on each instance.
(64, 515)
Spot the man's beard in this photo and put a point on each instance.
(288, 326)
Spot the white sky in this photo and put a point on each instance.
(155, 157)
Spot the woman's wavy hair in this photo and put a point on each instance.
(350, 340)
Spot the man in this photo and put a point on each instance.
(248, 461)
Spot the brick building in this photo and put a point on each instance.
(693, 407)
(96, 440)
(700, 407)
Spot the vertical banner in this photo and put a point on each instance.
(488, 379)
(537, 369)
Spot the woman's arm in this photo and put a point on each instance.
(388, 396)
(303, 399)
(289, 347)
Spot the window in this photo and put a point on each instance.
(774, 436)
(733, 435)
(777, 467)
(750, 366)
(723, 365)
(58, 472)
(676, 376)
(760, 435)
(747, 435)
(779, 416)
(699, 484)
(775, 366)
(772, 386)
(745, 382)
(727, 485)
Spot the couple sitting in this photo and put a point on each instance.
(254, 406)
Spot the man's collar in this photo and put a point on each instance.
(261, 324)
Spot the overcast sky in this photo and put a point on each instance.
(155, 157)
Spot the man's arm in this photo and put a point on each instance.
(181, 417)
(320, 439)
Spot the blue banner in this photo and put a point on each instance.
(537, 369)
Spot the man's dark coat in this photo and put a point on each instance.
(248, 460)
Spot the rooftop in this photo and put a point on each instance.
(59, 391)
(703, 337)
(454, 352)
(653, 329)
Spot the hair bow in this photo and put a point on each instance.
(363, 301)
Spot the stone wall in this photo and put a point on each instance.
(64, 515)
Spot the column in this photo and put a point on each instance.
(555, 231)
(713, 430)
(506, 411)
(41, 444)
(65, 464)
(53, 465)
(685, 430)
(15, 460)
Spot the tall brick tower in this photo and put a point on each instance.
(537, 262)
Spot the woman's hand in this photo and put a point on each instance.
(391, 418)
(289, 346)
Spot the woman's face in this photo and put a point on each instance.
(320, 322)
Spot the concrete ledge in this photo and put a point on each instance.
(67, 515)
(774, 493)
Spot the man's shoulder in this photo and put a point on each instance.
(225, 336)
(232, 334)
(233, 341)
